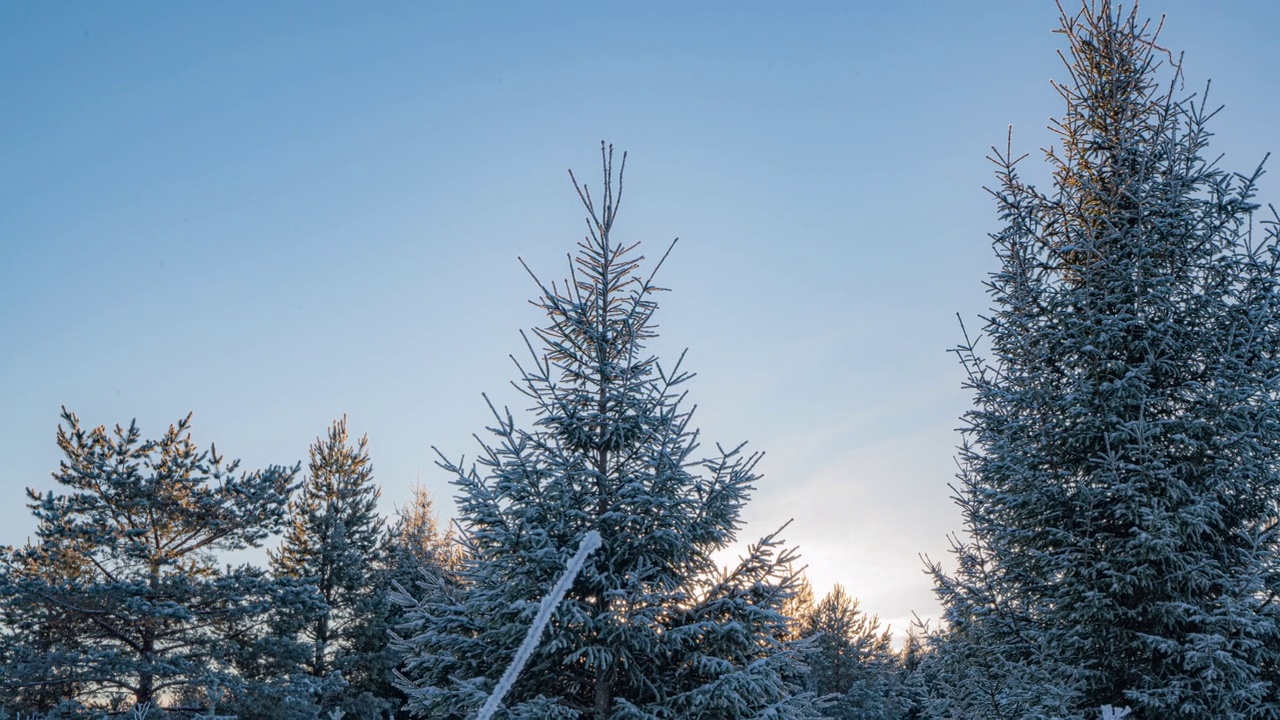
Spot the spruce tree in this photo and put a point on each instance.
(121, 597)
(335, 543)
(1119, 473)
(650, 627)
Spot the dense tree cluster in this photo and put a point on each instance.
(1119, 484)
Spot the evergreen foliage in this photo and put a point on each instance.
(1119, 472)
(121, 599)
(335, 543)
(423, 571)
(798, 607)
(851, 660)
(651, 628)
(417, 545)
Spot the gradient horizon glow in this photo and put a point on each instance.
(275, 214)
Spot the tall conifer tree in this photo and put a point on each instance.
(335, 543)
(1119, 477)
(650, 627)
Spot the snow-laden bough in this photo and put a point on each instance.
(590, 542)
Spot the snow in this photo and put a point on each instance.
(590, 542)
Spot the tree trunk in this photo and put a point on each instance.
(604, 692)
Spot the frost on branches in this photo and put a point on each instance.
(335, 542)
(121, 600)
(1119, 476)
(851, 661)
(651, 628)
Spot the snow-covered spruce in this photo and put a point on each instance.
(1119, 476)
(651, 628)
(590, 542)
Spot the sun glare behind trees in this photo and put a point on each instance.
(1118, 484)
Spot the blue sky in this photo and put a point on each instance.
(273, 215)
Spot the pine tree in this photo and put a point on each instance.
(420, 563)
(799, 607)
(1119, 475)
(423, 561)
(334, 542)
(416, 543)
(851, 660)
(34, 674)
(916, 651)
(121, 595)
(650, 628)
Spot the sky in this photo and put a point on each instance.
(274, 214)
